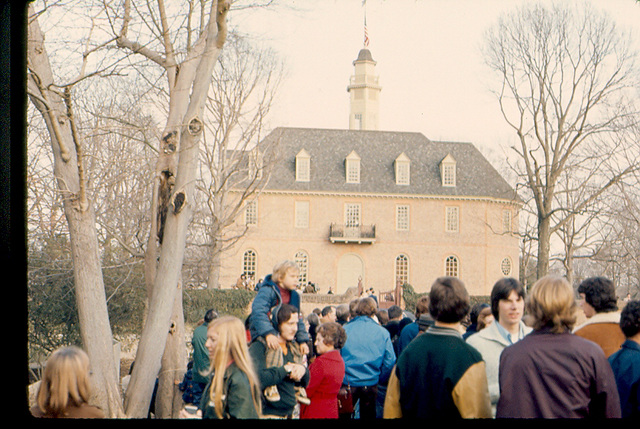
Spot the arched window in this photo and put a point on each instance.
(402, 269)
(505, 266)
(249, 260)
(302, 259)
(451, 266)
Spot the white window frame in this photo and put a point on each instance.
(250, 262)
(403, 170)
(251, 213)
(449, 175)
(504, 264)
(401, 269)
(452, 266)
(352, 214)
(352, 168)
(507, 221)
(302, 214)
(302, 260)
(402, 217)
(452, 219)
(303, 166)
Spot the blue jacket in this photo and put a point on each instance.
(265, 307)
(368, 353)
(626, 368)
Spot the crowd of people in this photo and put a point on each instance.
(521, 356)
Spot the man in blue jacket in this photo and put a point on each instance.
(368, 357)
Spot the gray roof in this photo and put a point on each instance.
(378, 150)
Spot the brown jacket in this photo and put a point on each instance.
(604, 330)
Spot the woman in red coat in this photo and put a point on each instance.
(326, 373)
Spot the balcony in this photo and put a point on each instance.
(361, 234)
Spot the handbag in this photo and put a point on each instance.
(345, 400)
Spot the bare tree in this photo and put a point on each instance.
(55, 103)
(236, 162)
(566, 78)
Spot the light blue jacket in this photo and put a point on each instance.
(368, 353)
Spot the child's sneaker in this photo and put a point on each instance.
(301, 396)
(271, 394)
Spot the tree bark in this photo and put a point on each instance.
(178, 216)
(89, 287)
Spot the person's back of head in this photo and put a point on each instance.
(600, 293)
(501, 290)
(366, 307)
(342, 313)
(551, 304)
(448, 300)
(422, 306)
(210, 315)
(313, 319)
(630, 319)
(327, 310)
(395, 312)
(65, 381)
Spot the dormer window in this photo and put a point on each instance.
(352, 168)
(448, 171)
(403, 165)
(303, 166)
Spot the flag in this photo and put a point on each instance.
(366, 35)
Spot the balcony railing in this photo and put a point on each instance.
(361, 234)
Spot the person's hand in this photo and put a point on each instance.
(304, 348)
(296, 371)
(190, 412)
(272, 341)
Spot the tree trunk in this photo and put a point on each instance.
(178, 216)
(213, 279)
(544, 238)
(174, 363)
(89, 287)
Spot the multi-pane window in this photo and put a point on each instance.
(302, 214)
(505, 266)
(302, 259)
(352, 215)
(402, 269)
(303, 166)
(352, 167)
(451, 266)
(402, 217)
(449, 175)
(506, 221)
(452, 219)
(403, 169)
(251, 213)
(249, 260)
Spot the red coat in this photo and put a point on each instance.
(326, 373)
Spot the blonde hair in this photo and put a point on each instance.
(65, 381)
(281, 269)
(231, 347)
(551, 303)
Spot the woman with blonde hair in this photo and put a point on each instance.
(65, 389)
(233, 390)
(552, 373)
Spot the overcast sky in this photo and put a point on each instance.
(428, 59)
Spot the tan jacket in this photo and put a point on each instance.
(603, 329)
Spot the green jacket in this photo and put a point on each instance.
(237, 402)
(200, 355)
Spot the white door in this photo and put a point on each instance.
(350, 272)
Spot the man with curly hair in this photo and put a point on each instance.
(600, 305)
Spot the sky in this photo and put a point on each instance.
(428, 56)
